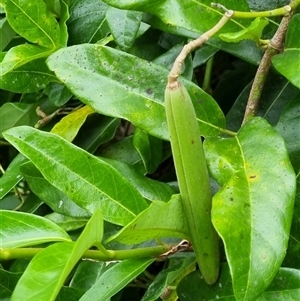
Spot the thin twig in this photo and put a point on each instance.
(191, 46)
(281, 11)
(274, 47)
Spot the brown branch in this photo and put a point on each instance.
(274, 47)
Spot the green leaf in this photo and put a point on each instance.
(149, 148)
(197, 16)
(168, 276)
(150, 189)
(10, 202)
(32, 21)
(276, 95)
(68, 293)
(285, 286)
(53, 197)
(12, 175)
(265, 5)
(157, 221)
(287, 63)
(6, 32)
(115, 278)
(48, 270)
(67, 223)
(58, 94)
(87, 22)
(31, 204)
(90, 182)
(124, 26)
(20, 229)
(253, 210)
(142, 90)
(124, 151)
(252, 32)
(64, 16)
(14, 114)
(7, 283)
(87, 274)
(288, 127)
(97, 130)
(203, 54)
(69, 125)
(246, 49)
(20, 55)
(292, 258)
(31, 77)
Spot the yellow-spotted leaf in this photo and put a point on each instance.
(253, 210)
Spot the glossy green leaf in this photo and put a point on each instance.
(253, 210)
(115, 278)
(49, 269)
(6, 32)
(67, 223)
(53, 197)
(87, 23)
(124, 26)
(168, 276)
(285, 286)
(150, 189)
(252, 32)
(90, 182)
(20, 55)
(20, 229)
(111, 86)
(28, 78)
(32, 21)
(87, 274)
(157, 221)
(69, 125)
(14, 114)
(288, 63)
(149, 148)
(12, 175)
(197, 16)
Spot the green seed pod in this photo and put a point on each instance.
(193, 179)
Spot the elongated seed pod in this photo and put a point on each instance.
(193, 179)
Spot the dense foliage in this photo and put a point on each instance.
(89, 201)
